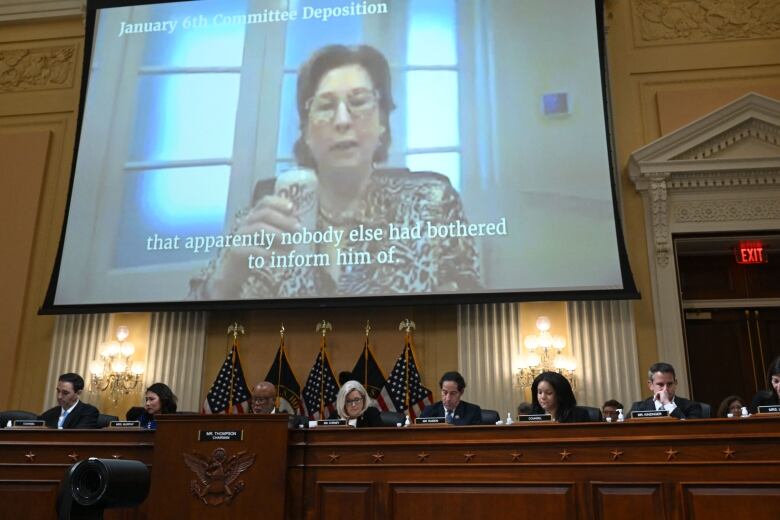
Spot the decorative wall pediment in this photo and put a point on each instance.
(741, 140)
(731, 150)
(753, 138)
(718, 174)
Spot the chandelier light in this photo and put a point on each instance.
(544, 353)
(115, 372)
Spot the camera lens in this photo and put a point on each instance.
(92, 482)
(88, 482)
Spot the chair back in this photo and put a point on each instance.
(104, 420)
(594, 413)
(391, 418)
(489, 416)
(16, 415)
(706, 410)
(134, 413)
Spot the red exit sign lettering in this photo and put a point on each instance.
(750, 253)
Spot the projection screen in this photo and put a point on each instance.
(311, 152)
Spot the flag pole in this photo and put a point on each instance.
(406, 369)
(279, 375)
(365, 357)
(407, 325)
(235, 329)
(324, 327)
(322, 377)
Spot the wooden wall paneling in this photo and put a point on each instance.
(31, 498)
(717, 277)
(640, 469)
(638, 464)
(719, 349)
(763, 280)
(258, 454)
(39, 92)
(767, 337)
(34, 461)
(466, 501)
(23, 162)
(708, 277)
(338, 500)
(756, 501)
(296, 493)
(635, 500)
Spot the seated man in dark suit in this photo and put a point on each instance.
(264, 401)
(662, 382)
(71, 412)
(451, 407)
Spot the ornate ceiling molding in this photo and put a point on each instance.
(720, 210)
(693, 21)
(20, 10)
(724, 179)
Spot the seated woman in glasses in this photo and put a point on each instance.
(344, 100)
(353, 403)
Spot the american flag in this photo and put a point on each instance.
(419, 396)
(369, 374)
(217, 399)
(320, 384)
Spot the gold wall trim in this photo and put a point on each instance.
(728, 210)
(660, 22)
(42, 68)
(20, 10)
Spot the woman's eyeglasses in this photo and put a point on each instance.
(359, 102)
(350, 402)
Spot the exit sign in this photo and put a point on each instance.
(750, 253)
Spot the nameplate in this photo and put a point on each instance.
(430, 420)
(536, 417)
(332, 422)
(220, 435)
(124, 424)
(649, 414)
(29, 423)
(770, 408)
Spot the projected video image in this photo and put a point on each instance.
(276, 150)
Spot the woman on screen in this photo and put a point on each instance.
(551, 393)
(379, 218)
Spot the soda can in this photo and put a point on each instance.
(299, 186)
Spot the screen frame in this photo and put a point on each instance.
(628, 292)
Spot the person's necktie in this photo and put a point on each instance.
(61, 422)
(448, 417)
